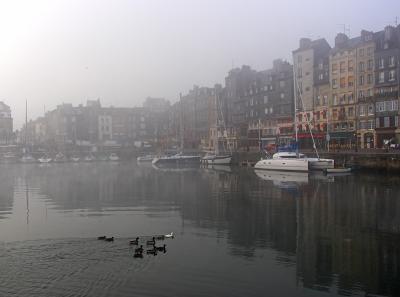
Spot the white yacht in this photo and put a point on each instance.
(178, 159)
(27, 158)
(45, 159)
(285, 161)
(113, 157)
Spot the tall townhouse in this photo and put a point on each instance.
(236, 85)
(365, 82)
(269, 106)
(387, 85)
(311, 70)
(342, 115)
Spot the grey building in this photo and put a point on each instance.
(387, 54)
(6, 124)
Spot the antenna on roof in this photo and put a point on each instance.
(346, 28)
(396, 21)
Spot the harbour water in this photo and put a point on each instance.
(239, 232)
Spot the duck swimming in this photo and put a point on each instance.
(151, 242)
(134, 241)
(101, 237)
(109, 239)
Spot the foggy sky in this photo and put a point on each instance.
(123, 51)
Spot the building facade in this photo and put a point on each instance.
(6, 124)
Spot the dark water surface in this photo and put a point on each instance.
(238, 232)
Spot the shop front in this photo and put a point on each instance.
(383, 134)
(343, 141)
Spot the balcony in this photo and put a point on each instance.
(394, 95)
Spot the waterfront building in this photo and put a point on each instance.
(365, 82)
(269, 106)
(386, 95)
(311, 70)
(342, 119)
(237, 84)
(6, 124)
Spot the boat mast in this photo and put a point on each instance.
(26, 123)
(181, 120)
(295, 104)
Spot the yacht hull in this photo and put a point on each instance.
(217, 160)
(321, 164)
(300, 165)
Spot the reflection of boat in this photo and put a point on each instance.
(178, 160)
(286, 161)
(283, 176)
(224, 168)
(113, 157)
(167, 168)
(75, 159)
(147, 158)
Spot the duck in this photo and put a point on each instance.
(171, 235)
(151, 242)
(134, 241)
(139, 250)
(109, 239)
(138, 255)
(101, 238)
(153, 251)
(161, 248)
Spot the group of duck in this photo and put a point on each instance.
(151, 244)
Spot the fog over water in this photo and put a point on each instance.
(123, 51)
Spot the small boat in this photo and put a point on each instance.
(75, 159)
(170, 235)
(178, 159)
(45, 159)
(60, 158)
(89, 158)
(217, 159)
(337, 170)
(147, 158)
(27, 159)
(113, 157)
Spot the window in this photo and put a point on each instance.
(361, 110)
(369, 78)
(361, 66)
(342, 99)
(370, 64)
(282, 83)
(369, 93)
(350, 97)
(265, 99)
(361, 52)
(320, 66)
(351, 81)
(251, 102)
(299, 58)
(342, 82)
(321, 76)
(361, 80)
(351, 111)
(391, 61)
(386, 122)
(381, 63)
(334, 99)
(325, 100)
(282, 95)
(307, 89)
(270, 110)
(380, 106)
(334, 68)
(342, 67)
(370, 50)
(360, 94)
(351, 65)
(334, 83)
(266, 111)
(392, 75)
(381, 77)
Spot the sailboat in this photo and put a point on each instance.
(26, 156)
(294, 161)
(179, 159)
(217, 157)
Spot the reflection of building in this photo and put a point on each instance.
(6, 124)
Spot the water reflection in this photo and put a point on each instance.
(341, 234)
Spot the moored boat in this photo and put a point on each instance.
(337, 170)
(217, 159)
(113, 157)
(284, 161)
(178, 159)
(147, 158)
